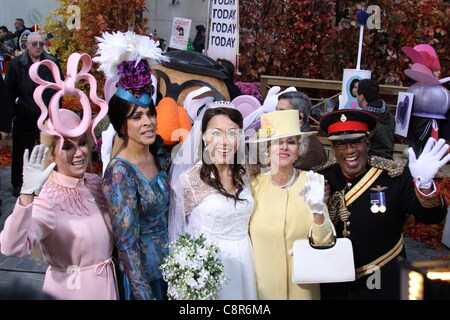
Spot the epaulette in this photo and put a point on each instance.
(394, 168)
(325, 165)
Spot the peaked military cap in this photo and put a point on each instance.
(347, 124)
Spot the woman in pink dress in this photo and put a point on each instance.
(66, 219)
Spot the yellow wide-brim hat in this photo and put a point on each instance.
(277, 125)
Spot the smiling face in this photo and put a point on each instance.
(283, 152)
(222, 139)
(351, 155)
(74, 157)
(140, 126)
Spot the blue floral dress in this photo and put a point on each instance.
(139, 212)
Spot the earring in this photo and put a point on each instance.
(206, 147)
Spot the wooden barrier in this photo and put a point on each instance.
(333, 85)
(270, 81)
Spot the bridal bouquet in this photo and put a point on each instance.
(193, 269)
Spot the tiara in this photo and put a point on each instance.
(221, 104)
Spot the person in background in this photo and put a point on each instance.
(212, 197)
(311, 151)
(371, 197)
(199, 40)
(288, 202)
(5, 114)
(233, 89)
(382, 136)
(19, 25)
(25, 110)
(7, 45)
(67, 219)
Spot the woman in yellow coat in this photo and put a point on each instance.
(288, 202)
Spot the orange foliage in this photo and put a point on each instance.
(96, 17)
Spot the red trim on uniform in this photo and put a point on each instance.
(348, 126)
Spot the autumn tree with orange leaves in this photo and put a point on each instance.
(95, 17)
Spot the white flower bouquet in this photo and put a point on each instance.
(193, 269)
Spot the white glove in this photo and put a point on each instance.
(271, 101)
(34, 172)
(107, 145)
(269, 105)
(429, 162)
(314, 191)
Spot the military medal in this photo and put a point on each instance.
(382, 198)
(378, 199)
(375, 208)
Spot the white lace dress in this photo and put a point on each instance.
(225, 223)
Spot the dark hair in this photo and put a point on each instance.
(4, 29)
(299, 101)
(119, 110)
(352, 84)
(200, 28)
(369, 89)
(228, 65)
(208, 172)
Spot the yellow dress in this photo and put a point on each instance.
(281, 216)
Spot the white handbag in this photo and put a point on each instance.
(322, 264)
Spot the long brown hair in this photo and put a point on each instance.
(208, 171)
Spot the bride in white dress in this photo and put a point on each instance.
(212, 198)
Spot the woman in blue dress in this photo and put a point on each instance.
(136, 187)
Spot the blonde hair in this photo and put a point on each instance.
(50, 142)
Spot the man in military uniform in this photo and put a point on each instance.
(370, 200)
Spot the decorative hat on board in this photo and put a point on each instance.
(62, 122)
(423, 54)
(431, 98)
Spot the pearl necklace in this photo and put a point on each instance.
(288, 184)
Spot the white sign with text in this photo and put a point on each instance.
(179, 37)
(223, 39)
